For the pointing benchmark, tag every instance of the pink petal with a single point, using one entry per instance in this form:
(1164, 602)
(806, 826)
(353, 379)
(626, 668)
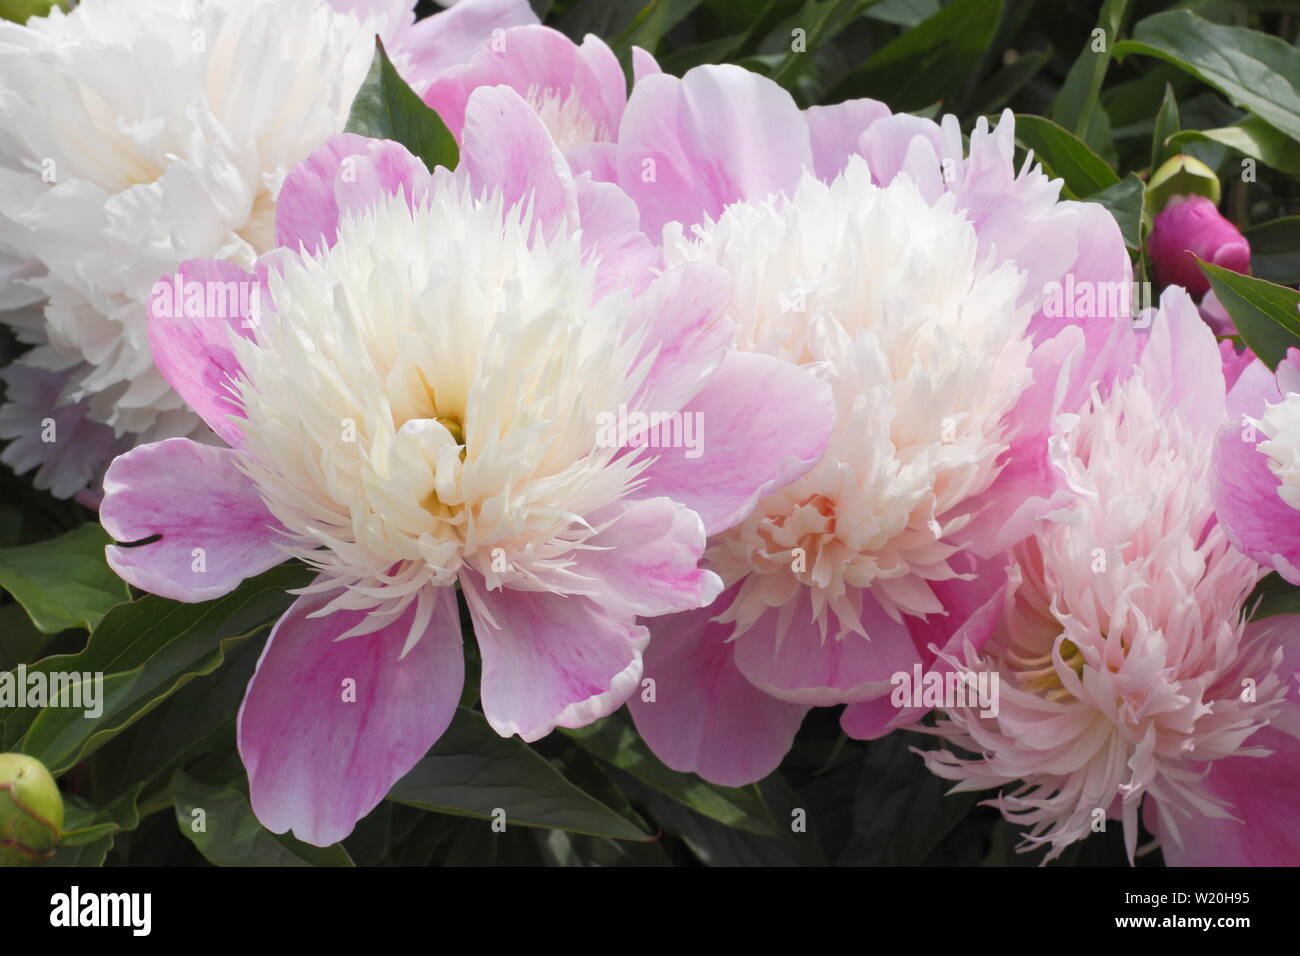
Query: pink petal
(536, 60)
(835, 130)
(686, 336)
(646, 560)
(191, 346)
(689, 146)
(765, 423)
(706, 718)
(599, 160)
(551, 660)
(886, 142)
(1265, 802)
(1254, 388)
(83, 447)
(195, 497)
(506, 147)
(973, 609)
(1181, 362)
(1244, 489)
(321, 188)
(327, 726)
(1029, 485)
(611, 233)
(643, 64)
(452, 37)
(801, 667)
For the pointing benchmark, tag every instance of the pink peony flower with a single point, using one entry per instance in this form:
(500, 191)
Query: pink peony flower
(422, 401)
(1125, 665)
(1192, 226)
(919, 282)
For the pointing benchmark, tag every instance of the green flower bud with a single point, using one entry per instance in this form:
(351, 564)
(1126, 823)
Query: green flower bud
(31, 811)
(1182, 175)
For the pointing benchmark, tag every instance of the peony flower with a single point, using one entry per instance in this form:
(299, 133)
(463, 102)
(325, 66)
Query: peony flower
(1192, 226)
(1125, 665)
(424, 403)
(916, 280)
(139, 135)
(578, 91)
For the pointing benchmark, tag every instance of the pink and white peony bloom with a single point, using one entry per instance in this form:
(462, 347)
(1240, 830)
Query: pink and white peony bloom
(1126, 668)
(1257, 466)
(915, 279)
(134, 136)
(423, 405)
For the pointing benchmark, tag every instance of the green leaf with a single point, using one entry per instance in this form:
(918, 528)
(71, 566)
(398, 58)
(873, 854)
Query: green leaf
(471, 771)
(616, 742)
(19, 638)
(147, 650)
(1167, 124)
(20, 11)
(386, 108)
(1275, 250)
(1009, 80)
(656, 18)
(904, 13)
(1274, 596)
(820, 20)
(1065, 155)
(89, 831)
(1078, 99)
(901, 811)
(1265, 314)
(63, 582)
(718, 845)
(1126, 202)
(197, 719)
(1251, 137)
(1255, 71)
(232, 836)
(928, 62)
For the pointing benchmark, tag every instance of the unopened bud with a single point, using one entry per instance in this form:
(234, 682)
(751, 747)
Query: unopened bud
(31, 811)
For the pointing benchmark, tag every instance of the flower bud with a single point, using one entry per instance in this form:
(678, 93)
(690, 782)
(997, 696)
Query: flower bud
(1181, 176)
(31, 811)
(1192, 226)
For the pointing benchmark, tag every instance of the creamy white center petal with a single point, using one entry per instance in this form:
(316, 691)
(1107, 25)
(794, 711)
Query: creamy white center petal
(427, 396)
(926, 351)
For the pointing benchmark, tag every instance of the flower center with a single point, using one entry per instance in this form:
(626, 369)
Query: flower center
(565, 117)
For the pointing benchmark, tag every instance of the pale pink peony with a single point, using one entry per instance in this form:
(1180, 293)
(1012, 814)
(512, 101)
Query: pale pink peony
(1126, 668)
(917, 280)
(418, 406)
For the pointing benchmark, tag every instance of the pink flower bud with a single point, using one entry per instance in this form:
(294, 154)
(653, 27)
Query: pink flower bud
(1193, 226)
